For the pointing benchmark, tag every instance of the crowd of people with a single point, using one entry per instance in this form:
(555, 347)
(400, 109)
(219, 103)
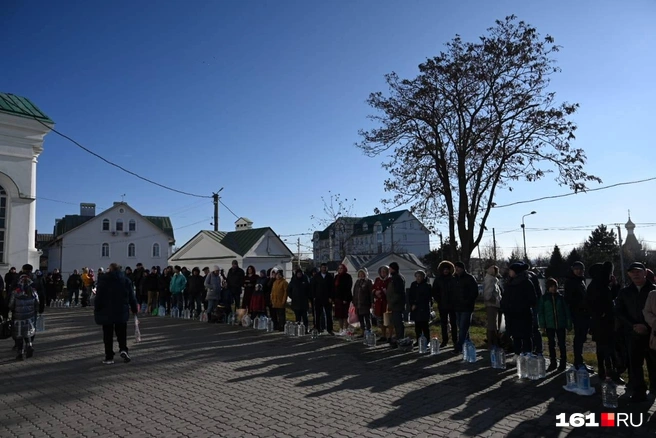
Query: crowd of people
(622, 321)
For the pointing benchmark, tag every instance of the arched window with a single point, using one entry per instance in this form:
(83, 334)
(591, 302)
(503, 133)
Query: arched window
(132, 225)
(119, 224)
(132, 250)
(105, 225)
(105, 250)
(155, 250)
(3, 223)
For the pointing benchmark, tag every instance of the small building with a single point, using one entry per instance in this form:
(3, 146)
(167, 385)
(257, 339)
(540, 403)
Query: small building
(23, 127)
(119, 234)
(408, 264)
(397, 231)
(260, 247)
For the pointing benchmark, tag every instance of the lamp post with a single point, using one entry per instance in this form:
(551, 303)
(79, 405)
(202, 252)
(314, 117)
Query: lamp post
(524, 234)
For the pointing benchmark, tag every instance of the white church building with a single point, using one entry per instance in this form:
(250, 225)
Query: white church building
(22, 130)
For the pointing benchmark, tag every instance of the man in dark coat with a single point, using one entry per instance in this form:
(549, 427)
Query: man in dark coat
(73, 285)
(322, 288)
(236, 276)
(517, 304)
(396, 298)
(575, 292)
(628, 308)
(465, 292)
(442, 294)
(114, 300)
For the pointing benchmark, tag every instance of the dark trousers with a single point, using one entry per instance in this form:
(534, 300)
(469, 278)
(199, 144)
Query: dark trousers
(464, 322)
(552, 334)
(639, 354)
(302, 316)
(365, 321)
(422, 327)
(177, 301)
(606, 358)
(121, 331)
(397, 323)
(523, 344)
(195, 304)
(319, 308)
(236, 295)
(448, 317)
(76, 293)
(537, 336)
(581, 328)
(278, 317)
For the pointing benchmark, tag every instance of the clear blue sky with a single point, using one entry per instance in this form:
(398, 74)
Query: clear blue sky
(265, 98)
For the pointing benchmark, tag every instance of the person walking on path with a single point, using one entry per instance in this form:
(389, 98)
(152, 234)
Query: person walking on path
(115, 299)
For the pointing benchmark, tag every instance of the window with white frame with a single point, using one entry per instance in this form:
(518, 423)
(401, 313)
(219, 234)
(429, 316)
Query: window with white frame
(105, 225)
(104, 252)
(132, 250)
(119, 224)
(132, 225)
(155, 250)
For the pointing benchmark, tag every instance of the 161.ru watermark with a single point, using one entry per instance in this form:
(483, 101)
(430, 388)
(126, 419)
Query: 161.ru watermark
(606, 419)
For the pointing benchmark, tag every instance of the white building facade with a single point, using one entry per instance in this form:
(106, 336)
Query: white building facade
(22, 130)
(117, 235)
(399, 232)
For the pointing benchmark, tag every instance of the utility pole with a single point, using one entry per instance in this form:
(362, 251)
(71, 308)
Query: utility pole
(441, 246)
(619, 235)
(494, 247)
(215, 199)
(298, 249)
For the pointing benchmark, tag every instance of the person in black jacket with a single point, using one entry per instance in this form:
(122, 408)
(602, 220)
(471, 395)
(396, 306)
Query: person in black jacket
(342, 297)
(73, 285)
(629, 310)
(150, 284)
(196, 286)
(443, 295)
(114, 299)
(299, 290)
(235, 281)
(465, 292)
(396, 302)
(323, 291)
(575, 292)
(537, 336)
(599, 302)
(517, 304)
(419, 299)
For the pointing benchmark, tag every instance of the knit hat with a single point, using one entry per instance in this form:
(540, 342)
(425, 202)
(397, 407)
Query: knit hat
(551, 282)
(518, 267)
(216, 268)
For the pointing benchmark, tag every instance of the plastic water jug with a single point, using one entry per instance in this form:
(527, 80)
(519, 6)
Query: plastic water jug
(314, 334)
(521, 365)
(533, 367)
(501, 358)
(434, 346)
(542, 367)
(423, 344)
(494, 361)
(465, 352)
(264, 322)
(40, 323)
(609, 394)
(269, 327)
(246, 320)
(582, 379)
(571, 377)
(161, 311)
(256, 323)
(369, 339)
(175, 312)
(300, 330)
(471, 357)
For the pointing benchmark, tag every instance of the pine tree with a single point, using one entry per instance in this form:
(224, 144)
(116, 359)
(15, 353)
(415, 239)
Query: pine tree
(574, 256)
(556, 268)
(601, 246)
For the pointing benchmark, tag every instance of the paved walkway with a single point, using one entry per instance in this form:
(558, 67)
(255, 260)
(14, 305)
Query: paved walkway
(200, 380)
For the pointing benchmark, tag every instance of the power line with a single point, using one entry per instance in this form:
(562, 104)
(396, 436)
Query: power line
(228, 208)
(182, 192)
(625, 183)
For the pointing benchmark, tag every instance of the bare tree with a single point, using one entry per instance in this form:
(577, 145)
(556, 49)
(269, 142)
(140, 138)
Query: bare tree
(337, 219)
(476, 119)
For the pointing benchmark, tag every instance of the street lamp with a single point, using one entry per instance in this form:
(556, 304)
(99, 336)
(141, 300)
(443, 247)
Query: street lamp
(524, 234)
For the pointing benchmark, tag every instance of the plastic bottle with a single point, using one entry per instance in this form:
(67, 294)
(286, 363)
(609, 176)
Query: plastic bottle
(571, 378)
(423, 344)
(300, 329)
(609, 394)
(582, 379)
(161, 311)
(269, 327)
(542, 367)
(521, 364)
(256, 323)
(40, 323)
(434, 346)
(465, 352)
(494, 361)
(532, 367)
(501, 358)
(314, 334)
(470, 351)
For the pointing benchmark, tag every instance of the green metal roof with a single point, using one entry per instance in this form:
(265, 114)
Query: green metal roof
(325, 234)
(21, 106)
(238, 241)
(163, 223)
(68, 222)
(385, 219)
